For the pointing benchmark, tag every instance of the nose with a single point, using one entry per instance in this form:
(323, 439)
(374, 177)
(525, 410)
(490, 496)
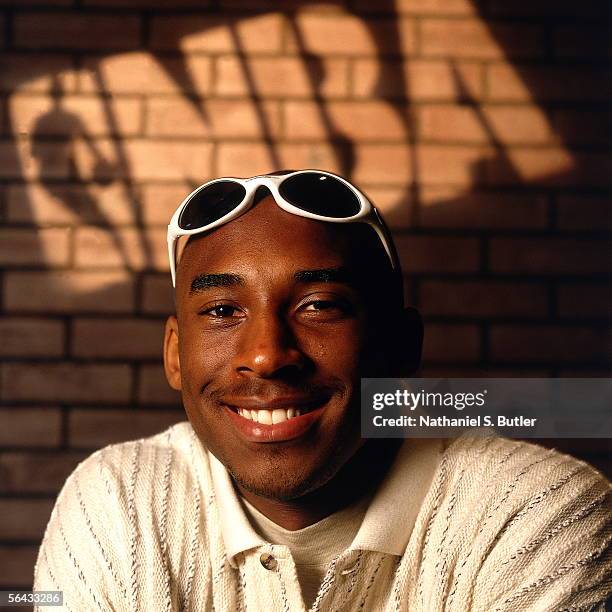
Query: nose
(268, 349)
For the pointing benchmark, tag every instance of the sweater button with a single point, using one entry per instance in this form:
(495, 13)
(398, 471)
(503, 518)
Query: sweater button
(268, 561)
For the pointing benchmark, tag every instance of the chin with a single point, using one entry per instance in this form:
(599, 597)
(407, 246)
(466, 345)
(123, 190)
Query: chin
(283, 483)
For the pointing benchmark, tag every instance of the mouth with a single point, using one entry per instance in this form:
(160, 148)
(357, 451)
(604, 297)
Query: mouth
(269, 416)
(277, 421)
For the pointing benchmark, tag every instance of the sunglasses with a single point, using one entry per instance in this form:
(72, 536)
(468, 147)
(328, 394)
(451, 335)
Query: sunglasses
(314, 194)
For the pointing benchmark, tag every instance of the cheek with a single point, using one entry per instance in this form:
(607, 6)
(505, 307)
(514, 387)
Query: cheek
(337, 350)
(203, 358)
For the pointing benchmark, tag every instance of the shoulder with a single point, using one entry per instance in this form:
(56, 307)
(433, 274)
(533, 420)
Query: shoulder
(519, 525)
(127, 509)
(496, 469)
(144, 461)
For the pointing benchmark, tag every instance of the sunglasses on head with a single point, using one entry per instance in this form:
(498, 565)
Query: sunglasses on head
(314, 194)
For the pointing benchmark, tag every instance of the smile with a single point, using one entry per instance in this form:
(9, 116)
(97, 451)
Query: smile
(270, 417)
(279, 421)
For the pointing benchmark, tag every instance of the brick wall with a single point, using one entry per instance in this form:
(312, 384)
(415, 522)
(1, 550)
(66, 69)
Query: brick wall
(482, 129)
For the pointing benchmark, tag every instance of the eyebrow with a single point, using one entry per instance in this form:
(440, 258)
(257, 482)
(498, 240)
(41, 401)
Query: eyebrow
(324, 275)
(203, 282)
(210, 281)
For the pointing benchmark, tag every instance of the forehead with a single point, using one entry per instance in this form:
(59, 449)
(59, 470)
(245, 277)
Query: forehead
(267, 240)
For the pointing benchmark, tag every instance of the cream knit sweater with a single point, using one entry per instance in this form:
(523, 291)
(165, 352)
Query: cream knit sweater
(503, 526)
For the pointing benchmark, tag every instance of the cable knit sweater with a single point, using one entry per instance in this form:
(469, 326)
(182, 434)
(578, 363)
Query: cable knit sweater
(500, 525)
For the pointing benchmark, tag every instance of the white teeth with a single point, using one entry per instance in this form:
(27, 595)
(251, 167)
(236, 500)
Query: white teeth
(269, 417)
(279, 415)
(264, 417)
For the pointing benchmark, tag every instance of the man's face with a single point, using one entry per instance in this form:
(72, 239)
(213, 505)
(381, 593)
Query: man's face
(269, 323)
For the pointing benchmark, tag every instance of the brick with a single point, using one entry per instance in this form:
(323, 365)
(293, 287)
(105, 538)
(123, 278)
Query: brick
(585, 300)
(131, 247)
(572, 42)
(453, 207)
(351, 36)
(70, 204)
(212, 34)
(451, 165)
(552, 344)
(67, 30)
(417, 80)
(284, 77)
(19, 73)
(238, 159)
(159, 201)
(96, 428)
(74, 116)
(20, 337)
(419, 7)
(21, 159)
(553, 256)
(451, 343)
(153, 388)
(24, 247)
(364, 121)
(67, 292)
(233, 5)
(150, 4)
(17, 563)
(145, 159)
(157, 295)
(549, 8)
(139, 72)
(36, 2)
(497, 371)
(500, 125)
(44, 472)
(30, 427)
(24, 519)
(427, 254)
(583, 127)
(70, 382)
(549, 166)
(248, 159)
(396, 205)
(211, 118)
(584, 213)
(120, 338)
(466, 38)
(548, 83)
(382, 164)
(476, 299)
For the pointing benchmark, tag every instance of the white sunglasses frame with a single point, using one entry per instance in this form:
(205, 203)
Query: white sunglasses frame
(367, 214)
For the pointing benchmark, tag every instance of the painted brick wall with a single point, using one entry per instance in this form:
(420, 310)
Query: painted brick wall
(482, 129)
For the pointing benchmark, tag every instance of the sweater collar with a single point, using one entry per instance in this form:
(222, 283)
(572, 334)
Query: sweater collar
(388, 521)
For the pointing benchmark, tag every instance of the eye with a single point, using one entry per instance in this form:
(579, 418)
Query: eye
(222, 311)
(321, 305)
(327, 309)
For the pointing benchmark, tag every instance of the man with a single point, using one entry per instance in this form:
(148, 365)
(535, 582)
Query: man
(287, 293)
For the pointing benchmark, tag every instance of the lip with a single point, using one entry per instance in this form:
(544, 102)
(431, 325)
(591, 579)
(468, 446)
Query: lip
(286, 401)
(290, 429)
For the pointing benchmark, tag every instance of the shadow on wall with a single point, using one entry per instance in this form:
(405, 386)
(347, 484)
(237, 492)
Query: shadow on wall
(496, 174)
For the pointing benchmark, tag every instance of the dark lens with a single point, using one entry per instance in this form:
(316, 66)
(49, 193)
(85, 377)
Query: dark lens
(210, 204)
(320, 194)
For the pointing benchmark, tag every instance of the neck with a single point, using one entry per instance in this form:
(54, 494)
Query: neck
(358, 478)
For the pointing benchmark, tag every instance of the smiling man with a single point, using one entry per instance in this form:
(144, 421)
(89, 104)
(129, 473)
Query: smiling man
(288, 291)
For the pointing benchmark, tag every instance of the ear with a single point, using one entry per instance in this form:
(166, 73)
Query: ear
(409, 343)
(172, 363)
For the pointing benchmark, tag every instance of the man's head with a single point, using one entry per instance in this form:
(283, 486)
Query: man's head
(275, 314)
